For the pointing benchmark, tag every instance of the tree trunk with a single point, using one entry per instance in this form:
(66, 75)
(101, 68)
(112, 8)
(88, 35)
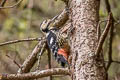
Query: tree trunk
(84, 15)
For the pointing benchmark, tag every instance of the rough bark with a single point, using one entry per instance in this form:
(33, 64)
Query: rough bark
(84, 15)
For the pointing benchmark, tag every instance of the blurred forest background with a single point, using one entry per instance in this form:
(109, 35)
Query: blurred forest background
(23, 22)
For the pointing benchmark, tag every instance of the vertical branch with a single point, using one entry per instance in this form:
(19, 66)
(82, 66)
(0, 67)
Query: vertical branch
(49, 61)
(40, 54)
(110, 46)
(103, 35)
(111, 34)
(98, 30)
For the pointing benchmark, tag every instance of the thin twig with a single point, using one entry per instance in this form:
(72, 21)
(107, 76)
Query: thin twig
(40, 54)
(98, 30)
(103, 36)
(108, 7)
(110, 46)
(6, 7)
(31, 59)
(49, 61)
(21, 40)
(14, 61)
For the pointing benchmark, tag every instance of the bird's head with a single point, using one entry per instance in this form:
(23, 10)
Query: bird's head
(44, 26)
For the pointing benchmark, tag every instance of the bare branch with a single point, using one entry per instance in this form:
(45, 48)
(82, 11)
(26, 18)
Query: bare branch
(35, 75)
(6, 7)
(22, 40)
(40, 54)
(49, 58)
(98, 30)
(49, 61)
(14, 61)
(108, 7)
(103, 36)
(30, 61)
(110, 46)
(61, 19)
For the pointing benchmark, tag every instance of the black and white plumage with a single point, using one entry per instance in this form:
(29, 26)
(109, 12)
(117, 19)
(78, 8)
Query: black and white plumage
(55, 41)
(52, 43)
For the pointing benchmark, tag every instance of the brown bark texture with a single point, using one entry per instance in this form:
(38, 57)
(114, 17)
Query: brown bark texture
(35, 75)
(84, 15)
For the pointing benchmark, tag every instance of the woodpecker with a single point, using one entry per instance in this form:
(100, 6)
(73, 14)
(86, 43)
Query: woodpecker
(56, 41)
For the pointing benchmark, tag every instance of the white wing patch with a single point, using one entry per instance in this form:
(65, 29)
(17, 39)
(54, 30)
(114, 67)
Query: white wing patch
(47, 34)
(51, 40)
